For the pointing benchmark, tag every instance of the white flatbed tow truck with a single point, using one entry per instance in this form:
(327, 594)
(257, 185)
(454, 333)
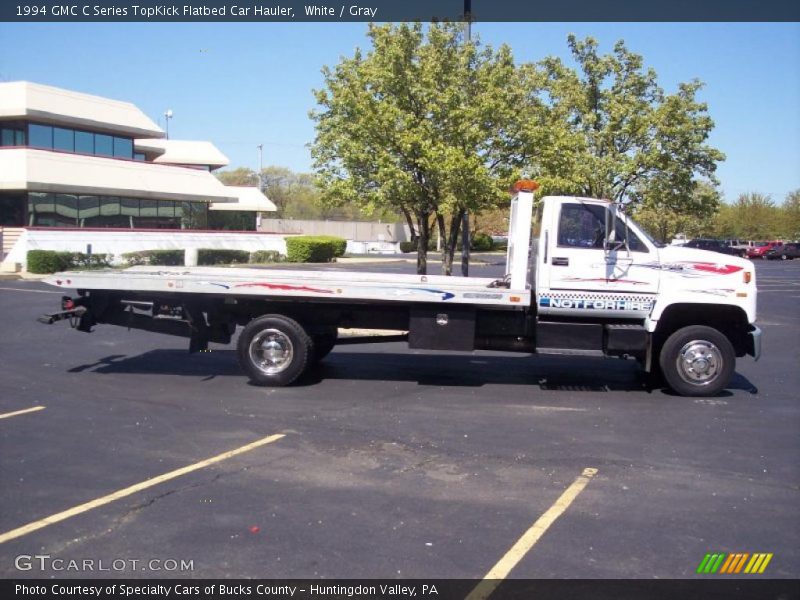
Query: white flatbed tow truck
(582, 279)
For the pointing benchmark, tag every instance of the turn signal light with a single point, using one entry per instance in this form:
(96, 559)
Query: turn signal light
(748, 276)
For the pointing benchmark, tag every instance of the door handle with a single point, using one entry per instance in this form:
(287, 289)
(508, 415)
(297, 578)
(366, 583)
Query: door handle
(560, 261)
(625, 260)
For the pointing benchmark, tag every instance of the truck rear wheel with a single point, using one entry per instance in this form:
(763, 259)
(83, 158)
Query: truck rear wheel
(274, 350)
(697, 361)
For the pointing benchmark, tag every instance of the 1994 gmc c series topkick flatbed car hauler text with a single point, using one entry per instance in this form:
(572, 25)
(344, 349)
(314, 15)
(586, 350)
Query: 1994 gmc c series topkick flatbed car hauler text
(589, 283)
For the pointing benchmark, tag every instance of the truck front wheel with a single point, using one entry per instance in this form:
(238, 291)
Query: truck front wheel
(274, 350)
(697, 361)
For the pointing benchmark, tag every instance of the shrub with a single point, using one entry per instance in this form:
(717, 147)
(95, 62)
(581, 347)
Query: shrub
(48, 261)
(214, 256)
(339, 244)
(266, 256)
(167, 258)
(481, 242)
(309, 248)
(408, 247)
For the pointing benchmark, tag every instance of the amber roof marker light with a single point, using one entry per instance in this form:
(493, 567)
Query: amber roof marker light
(524, 185)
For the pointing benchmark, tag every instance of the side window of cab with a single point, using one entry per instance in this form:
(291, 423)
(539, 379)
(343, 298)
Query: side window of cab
(584, 226)
(581, 226)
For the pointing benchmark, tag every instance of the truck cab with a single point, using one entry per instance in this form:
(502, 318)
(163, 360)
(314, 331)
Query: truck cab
(603, 285)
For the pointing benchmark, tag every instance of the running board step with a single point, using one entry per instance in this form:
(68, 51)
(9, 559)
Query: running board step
(570, 351)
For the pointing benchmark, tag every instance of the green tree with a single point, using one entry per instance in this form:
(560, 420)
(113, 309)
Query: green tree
(693, 216)
(790, 219)
(756, 217)
(724, 226)
(291, 192)
(423, 124)
(615, 133)
(238, 176)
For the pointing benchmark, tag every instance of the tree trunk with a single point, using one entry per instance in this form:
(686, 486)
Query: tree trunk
(450, 239)
(424, 230)
(410, 223)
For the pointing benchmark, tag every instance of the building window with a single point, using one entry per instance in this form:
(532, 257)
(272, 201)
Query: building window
(40, 136)
(66, 210)
(166, 208)
(111, 213)
(148, 209)
(138, 156)
(84, 142)
(130, 208)
(103, 145)
(192, 215)
(123, 147)
(41, 209)
(63, 139)
(88, 211)
(12, 135)
(12, 210)
(68, 140)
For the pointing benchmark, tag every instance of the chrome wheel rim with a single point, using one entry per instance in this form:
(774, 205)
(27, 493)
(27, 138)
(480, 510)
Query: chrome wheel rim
(699, 362)
(271, 351)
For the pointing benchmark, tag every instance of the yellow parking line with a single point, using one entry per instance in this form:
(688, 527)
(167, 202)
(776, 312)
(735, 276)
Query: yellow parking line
(24, 411)
(81, 508)
(517, 552)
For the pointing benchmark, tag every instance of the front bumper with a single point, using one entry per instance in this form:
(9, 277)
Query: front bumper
(754, 349)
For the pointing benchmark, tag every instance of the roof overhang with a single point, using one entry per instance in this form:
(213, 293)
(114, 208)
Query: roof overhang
(47, 104)
(249, 199)
(182, 152)
(46, 171)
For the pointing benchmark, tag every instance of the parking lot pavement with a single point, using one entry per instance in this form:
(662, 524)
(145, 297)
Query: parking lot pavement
(394, 463)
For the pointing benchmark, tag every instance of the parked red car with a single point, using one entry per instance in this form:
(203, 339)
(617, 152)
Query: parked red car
(761, 248)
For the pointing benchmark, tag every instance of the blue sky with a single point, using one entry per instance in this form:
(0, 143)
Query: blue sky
(244, 84)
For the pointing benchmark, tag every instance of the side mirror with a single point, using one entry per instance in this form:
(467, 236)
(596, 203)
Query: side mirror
(612, 244)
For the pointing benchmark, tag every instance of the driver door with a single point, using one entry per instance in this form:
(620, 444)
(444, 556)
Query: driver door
(582, 261)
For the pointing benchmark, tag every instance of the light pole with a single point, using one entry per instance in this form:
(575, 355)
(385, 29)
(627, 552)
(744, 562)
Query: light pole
(465, 218)
(260, 167)
(167, 117)
(260, 180)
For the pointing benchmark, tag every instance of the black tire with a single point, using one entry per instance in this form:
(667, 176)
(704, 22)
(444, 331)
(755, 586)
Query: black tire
(707, 365)
(324, 343)
(274, 350)
(784, 257)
